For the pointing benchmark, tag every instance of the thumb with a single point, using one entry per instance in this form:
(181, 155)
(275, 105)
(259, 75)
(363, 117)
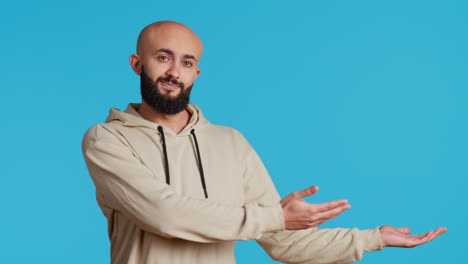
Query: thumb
(299, 194)
(404, 230)
(306, 192)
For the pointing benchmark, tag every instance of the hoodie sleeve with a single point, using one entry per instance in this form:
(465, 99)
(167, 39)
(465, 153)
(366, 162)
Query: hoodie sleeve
(314, 245)
(124, 184)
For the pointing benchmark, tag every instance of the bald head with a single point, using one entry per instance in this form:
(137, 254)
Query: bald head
(168, 31)
(167, 59)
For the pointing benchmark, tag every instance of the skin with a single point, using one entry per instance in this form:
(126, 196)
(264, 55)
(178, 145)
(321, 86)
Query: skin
(168, 48)
(400, 237)
(300, 214)
(304, 215)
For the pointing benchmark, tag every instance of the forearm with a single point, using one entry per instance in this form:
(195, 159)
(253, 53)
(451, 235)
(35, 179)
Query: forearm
(198, 220)
(338, 245)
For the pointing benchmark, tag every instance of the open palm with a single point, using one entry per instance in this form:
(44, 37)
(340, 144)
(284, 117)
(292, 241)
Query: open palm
(400, 237)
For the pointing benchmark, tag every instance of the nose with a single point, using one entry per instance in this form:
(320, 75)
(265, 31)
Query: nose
(173, 71)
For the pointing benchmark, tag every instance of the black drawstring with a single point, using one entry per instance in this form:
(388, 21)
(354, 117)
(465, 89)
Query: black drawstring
(166, 161)
(200, 166)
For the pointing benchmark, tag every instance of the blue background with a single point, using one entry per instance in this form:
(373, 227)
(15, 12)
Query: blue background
(367, 99)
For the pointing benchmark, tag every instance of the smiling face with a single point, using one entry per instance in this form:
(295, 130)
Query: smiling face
(167, 61)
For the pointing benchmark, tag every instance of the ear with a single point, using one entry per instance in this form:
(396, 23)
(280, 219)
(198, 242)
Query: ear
(197, 73)
(135, 63)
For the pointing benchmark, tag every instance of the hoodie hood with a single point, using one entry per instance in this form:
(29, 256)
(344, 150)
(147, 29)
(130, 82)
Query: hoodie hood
(131, 118)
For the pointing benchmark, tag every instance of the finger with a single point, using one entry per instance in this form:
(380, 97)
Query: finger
(299, 194)
(423, 239)
(327, 215)
(439, 231)
(316, 223)
(442, 230)
(306, 192)
(323, 220)
(426, 238)
(288, 198)
(430, 235)
(417, 240)
(404, 230)
(323, 207)
(417, 236)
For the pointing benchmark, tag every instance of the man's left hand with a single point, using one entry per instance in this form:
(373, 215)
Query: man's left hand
(400, 237)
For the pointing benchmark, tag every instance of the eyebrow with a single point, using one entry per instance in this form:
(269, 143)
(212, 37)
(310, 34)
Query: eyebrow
(170, 52)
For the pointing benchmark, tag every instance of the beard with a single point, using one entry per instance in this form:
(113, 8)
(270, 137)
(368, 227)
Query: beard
(164, 103)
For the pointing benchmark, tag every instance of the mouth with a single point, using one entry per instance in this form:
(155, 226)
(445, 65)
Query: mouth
(169, 86)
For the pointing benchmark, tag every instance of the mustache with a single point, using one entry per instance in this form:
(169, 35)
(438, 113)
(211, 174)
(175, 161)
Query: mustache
(171, 80)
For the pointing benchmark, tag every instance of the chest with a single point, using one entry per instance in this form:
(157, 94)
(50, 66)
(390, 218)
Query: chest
(222, 167)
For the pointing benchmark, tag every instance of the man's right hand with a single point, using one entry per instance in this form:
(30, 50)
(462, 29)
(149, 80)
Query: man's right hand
(299, 214)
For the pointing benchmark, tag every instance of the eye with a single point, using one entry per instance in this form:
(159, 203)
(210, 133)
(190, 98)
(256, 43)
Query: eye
(187, 63)
(163, 58)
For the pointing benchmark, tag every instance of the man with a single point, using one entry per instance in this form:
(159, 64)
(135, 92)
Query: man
(177, 189)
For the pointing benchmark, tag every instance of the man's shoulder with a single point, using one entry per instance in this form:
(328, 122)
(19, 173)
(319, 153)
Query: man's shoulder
(95, 132)
(102, 131)
(221, 130)
(226, 136)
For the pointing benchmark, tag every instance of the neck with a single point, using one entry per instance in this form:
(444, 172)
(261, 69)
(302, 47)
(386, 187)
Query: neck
(176, 122)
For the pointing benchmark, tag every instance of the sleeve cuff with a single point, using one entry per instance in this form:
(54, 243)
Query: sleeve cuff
(371, 240)
(273, 219)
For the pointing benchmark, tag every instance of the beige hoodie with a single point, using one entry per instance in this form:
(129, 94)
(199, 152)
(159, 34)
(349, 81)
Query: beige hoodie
(150, 221)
